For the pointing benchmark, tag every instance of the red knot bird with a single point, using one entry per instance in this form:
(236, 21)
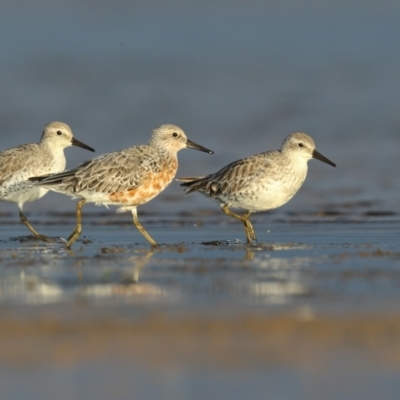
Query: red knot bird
(33, 159)
(127, 178)
(261, 182)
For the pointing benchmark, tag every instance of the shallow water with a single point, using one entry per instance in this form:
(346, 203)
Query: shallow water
(314, 303)
(207, 262)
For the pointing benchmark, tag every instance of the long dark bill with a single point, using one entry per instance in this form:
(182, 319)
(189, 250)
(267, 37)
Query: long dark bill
(320, 157)
(195, 146)
(76, 142)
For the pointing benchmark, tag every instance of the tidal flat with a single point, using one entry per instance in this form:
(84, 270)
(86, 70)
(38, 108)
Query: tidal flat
(311, 308)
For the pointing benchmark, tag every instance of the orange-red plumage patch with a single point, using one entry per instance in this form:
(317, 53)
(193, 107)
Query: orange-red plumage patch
(151, 186)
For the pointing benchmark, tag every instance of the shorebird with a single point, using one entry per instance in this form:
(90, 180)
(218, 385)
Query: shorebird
(261, 182)
(127, 178)
(33, 159)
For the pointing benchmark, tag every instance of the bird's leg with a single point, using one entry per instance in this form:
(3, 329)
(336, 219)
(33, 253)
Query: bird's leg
(248, 227)
(25, 221)
(141, 229)
(78, 228)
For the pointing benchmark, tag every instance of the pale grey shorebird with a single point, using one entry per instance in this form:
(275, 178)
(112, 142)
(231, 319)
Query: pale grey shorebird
(261, 182)
(20, 163)
(127, 178)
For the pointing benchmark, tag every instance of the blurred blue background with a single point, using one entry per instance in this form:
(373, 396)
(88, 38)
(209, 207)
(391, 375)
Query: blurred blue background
(238, 77)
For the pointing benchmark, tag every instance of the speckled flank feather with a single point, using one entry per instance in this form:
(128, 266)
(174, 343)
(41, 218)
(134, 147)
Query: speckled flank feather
(125, 178)
(261, 182)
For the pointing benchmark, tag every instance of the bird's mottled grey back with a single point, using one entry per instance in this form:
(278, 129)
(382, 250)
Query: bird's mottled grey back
(109, 173)
(17, 159)
(234, 176)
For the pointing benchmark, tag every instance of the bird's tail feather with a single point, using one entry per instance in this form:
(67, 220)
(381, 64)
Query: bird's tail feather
(191, 184)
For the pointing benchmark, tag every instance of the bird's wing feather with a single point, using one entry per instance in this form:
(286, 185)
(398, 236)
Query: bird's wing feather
(17, 160)
(109, 173)
(232, 178)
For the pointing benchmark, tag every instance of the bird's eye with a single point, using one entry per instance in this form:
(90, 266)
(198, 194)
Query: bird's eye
(59, 133)
(301, 145)
(175, 134)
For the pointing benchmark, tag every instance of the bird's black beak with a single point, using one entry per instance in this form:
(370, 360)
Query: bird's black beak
(320, 157)
(195, 146)
(76, 142)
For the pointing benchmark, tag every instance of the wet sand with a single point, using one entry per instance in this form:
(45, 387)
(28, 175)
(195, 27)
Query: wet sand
(158, 340)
